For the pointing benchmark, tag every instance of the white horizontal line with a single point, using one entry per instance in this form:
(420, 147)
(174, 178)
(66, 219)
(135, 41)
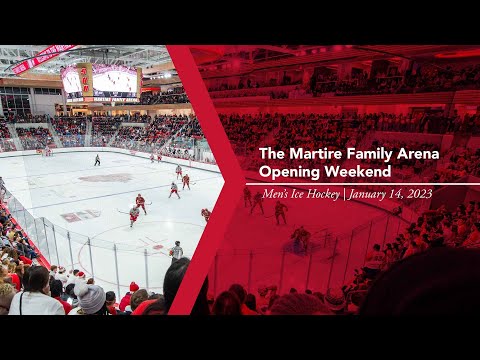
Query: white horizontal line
(365, 184)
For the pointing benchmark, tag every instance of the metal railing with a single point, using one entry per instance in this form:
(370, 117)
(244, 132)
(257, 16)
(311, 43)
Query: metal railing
(112, 265)
(330, 259)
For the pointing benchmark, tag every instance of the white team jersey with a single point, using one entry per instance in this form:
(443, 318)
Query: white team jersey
(179, 169)
(177, 252)
(134, 212)
(174, 187)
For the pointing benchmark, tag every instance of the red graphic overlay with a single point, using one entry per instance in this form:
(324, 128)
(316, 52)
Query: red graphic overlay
(234, 180)
(391, 171)
(46, 56)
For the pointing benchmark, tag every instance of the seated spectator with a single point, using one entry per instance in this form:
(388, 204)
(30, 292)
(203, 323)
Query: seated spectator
(34, 299)
(241, 293)
(436, 282)
(299, 304)
(335, 300)
(56, 291)
(91, 300)
(110, 300)
(7, 292)
(227, 303)
(251, 302)
(137, 298)
(126, 299)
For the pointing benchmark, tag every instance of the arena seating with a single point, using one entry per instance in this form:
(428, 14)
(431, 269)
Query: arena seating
(70, 130)
(35, 138)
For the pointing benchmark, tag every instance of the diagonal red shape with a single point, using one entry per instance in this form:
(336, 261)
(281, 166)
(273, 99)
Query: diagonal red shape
(229, 167)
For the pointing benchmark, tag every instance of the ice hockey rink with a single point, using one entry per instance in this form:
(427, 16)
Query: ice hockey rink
(342, 233)
(90, 201)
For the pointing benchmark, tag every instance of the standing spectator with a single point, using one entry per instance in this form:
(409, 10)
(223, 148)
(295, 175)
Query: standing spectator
(35, 299)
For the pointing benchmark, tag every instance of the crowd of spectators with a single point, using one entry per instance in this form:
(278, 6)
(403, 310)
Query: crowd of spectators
(6, 143)
(29, 288)
(103, 128)
(70, 130)
(27, 118)
(35, 138)
(459, 163)
(420, 78)
(176, 95)
(151, 137)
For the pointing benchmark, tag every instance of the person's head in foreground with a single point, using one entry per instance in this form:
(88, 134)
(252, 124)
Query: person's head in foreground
(227, 303)
(299, 304)
(91, 298)
(441, 281)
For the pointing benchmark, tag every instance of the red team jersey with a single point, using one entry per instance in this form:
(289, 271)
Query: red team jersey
(134, 214)
(140, 200)
(186, 179)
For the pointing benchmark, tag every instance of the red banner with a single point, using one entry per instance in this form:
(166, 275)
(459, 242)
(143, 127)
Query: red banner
(42, 57)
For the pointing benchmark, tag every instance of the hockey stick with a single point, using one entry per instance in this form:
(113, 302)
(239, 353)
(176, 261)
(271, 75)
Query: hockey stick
(122, 212)
(149, 203)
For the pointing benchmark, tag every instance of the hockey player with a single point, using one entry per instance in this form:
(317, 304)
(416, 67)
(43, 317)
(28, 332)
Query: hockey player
(134, 212)
(247, 195)
(206, 214)
(257, 199)
(97, 160)
(174, 189)
(152, 158)
(159, 157)
(186, 181)
(140, 201)
(301, 235)
(178, 170)
(177, 252)
(279, 207)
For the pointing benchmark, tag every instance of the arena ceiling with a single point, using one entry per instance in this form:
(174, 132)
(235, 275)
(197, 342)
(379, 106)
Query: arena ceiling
(144, 56)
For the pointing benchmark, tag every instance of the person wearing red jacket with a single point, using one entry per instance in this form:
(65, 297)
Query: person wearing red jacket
(126, 299)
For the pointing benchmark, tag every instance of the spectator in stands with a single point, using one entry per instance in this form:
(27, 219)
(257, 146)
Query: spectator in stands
(91, 300)
(35, 299)
(12, 274)
(72, 277)
(473, 239)
(72, 298)
(444, 286)
(227, 303)
(335, 300)
(56, 289)
(62, 276)
(299, 304)
(126, 299)
(251, 302)
(151, 307)
(241, 293)
(110, 300)
(7, 292)
(137, 298)
(173, 279)
(374, 262)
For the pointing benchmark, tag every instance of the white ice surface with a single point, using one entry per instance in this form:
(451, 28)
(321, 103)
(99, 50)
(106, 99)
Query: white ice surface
(51, 186)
